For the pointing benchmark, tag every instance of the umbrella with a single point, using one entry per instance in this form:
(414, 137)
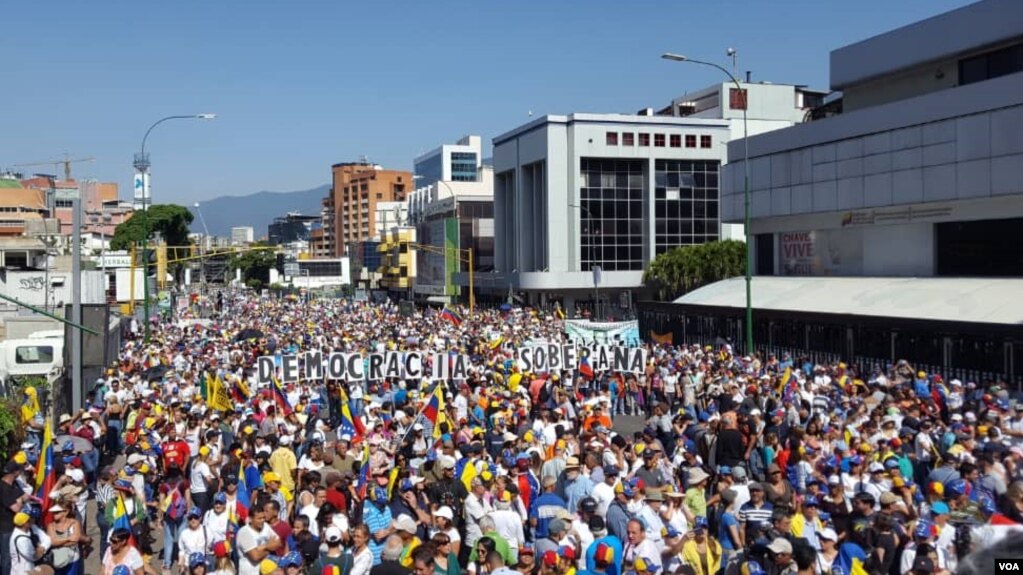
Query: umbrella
(81, 444)
(248, 334)
(155, 373)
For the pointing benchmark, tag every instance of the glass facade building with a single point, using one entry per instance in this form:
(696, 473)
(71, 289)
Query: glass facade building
(612, 218)
(685, 203)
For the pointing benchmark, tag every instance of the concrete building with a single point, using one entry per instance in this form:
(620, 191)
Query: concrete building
(574, 193)
(894, 219)
(351, 206)
(20, 204)
(242, 235)
(452, 209)
(922, 172)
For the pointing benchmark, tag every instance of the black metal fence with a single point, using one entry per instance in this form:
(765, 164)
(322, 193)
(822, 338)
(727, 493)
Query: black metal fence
(957, 350)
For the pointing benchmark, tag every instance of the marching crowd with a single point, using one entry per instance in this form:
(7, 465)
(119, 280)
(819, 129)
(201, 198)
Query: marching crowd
(739, 465)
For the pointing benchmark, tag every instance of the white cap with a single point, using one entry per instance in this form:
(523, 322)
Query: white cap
(405, 523)
(77, 475)
(285, 440)
(135, 458)
(828, 533)
(417, 427)
(332, 535)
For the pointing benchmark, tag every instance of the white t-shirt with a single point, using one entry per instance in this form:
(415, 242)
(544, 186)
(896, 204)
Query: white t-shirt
(22, 552)
(604, 494)
(199, 475)
(308, 464)
(249, 539)
(216, 524)
(193, 541)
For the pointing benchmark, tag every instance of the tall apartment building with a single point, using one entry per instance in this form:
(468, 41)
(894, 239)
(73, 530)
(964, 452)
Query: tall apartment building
(241, 235)
(352, 204)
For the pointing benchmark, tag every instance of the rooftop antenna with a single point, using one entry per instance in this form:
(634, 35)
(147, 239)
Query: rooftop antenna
(731, 53)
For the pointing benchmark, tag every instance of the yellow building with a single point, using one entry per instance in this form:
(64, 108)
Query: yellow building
(397, 262)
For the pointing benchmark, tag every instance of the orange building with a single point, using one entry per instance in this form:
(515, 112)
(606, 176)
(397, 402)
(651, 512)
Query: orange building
(19, 204)
(357, 187)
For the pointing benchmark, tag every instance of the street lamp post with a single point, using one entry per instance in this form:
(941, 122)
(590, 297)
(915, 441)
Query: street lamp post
(202, 260)
(596, 287)
(746, 200)
(142, 165)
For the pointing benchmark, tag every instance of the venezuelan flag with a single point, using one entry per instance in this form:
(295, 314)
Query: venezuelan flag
(121, 519)
(351, 425)
(450, 315)
(435, 407)
(362, 484)
(851, 558)
(465, 470)
(46, 473)
(280, 398)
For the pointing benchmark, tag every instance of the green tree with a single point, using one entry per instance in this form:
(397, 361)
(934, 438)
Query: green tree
(255, 265)
(685, 268)
(170, 220)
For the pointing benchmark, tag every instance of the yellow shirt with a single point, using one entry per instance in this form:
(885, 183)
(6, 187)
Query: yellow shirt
(283, 461)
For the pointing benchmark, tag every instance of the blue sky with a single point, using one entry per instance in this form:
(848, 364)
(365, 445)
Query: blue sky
(299, 85)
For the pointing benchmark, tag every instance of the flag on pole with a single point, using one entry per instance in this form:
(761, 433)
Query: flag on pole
(218, 398)
(121, 518)
(363, 482)
(46, 473)
(559, 313)
(350, 425)
(585, 369)
(452, 316)
(280, 398)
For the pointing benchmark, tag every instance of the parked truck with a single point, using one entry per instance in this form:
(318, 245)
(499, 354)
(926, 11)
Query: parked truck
(40, 355)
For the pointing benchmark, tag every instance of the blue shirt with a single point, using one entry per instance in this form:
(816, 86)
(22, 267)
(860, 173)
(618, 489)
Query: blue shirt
(724, 531)
(615, 568)
(376, 519)
(545, 509)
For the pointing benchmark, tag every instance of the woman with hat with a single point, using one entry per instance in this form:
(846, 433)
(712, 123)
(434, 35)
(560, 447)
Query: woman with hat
(443, 520)
(696, 494)
(65, 534)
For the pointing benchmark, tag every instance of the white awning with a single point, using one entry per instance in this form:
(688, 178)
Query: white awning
(979, 300)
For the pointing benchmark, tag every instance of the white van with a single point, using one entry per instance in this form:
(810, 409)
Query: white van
(36, 356)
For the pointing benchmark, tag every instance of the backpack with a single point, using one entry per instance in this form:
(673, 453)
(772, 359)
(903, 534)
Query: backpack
(178, 506)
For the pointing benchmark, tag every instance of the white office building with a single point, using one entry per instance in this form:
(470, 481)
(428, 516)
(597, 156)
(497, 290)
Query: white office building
(577, 192)
(921, 174)
(242, 235)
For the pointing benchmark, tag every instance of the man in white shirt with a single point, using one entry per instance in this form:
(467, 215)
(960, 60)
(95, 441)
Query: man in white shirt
(255, 542)
(476, 508)
(637, 545)
(216, 519)
(604, 492)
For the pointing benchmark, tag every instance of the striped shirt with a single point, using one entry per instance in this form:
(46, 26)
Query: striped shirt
(104, 494)
(376, 519)
(751, 515)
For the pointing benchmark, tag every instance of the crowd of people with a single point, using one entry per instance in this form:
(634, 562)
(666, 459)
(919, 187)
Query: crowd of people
(738, 465)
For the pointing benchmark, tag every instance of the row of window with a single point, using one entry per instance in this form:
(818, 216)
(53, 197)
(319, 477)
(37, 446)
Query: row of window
(674, 140)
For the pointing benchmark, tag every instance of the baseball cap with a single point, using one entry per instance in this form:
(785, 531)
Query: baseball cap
(780, 545)
(332, 535)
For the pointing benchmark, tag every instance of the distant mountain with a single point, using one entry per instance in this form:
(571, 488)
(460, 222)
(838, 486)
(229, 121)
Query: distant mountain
(256, 210)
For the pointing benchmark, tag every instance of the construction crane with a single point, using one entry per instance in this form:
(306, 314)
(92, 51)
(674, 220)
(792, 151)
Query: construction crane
(67, 161)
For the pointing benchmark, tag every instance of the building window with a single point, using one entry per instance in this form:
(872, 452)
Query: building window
(658, 140)
(737, 99)
(675, 140)
(690, 141)
(1001, 62)
(612, 138)
(705, 141)
(628, 139)
(611, 218)
(685, 203)
(463, 167)
(644, 140)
